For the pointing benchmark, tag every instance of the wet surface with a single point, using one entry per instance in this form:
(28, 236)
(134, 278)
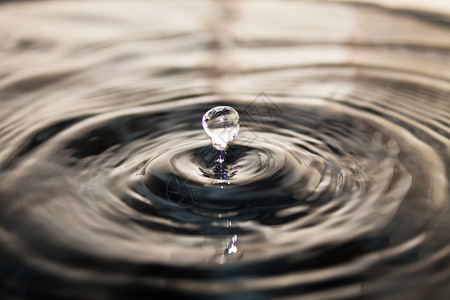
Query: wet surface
(336, 186)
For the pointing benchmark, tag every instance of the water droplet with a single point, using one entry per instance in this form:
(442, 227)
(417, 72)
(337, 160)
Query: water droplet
(221, 123)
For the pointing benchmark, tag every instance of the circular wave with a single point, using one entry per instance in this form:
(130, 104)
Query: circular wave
(336, 187)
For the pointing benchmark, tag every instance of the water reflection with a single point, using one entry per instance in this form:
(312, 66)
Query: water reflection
(336, 187)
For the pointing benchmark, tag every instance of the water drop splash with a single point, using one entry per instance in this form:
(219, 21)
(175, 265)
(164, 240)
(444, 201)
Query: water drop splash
(221, 123)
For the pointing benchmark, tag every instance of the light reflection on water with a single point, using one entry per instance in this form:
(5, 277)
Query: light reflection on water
(336, 187)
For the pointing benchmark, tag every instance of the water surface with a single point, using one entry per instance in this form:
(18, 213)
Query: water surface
(336, 187)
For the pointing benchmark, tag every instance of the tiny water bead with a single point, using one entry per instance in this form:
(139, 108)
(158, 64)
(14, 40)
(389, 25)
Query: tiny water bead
(221, 123)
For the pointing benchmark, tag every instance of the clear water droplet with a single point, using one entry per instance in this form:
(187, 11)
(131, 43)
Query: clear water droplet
(221, 123)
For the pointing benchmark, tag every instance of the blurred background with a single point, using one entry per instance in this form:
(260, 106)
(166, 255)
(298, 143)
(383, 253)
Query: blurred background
(337, 186)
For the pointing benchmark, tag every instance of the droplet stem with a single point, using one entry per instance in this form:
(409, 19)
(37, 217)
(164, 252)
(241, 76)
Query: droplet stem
(220, 167)
(220, 157)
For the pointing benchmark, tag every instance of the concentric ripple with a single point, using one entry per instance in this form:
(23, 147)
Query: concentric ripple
(336, 187)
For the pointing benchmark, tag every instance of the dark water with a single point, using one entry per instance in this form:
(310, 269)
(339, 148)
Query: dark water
(336, 187)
